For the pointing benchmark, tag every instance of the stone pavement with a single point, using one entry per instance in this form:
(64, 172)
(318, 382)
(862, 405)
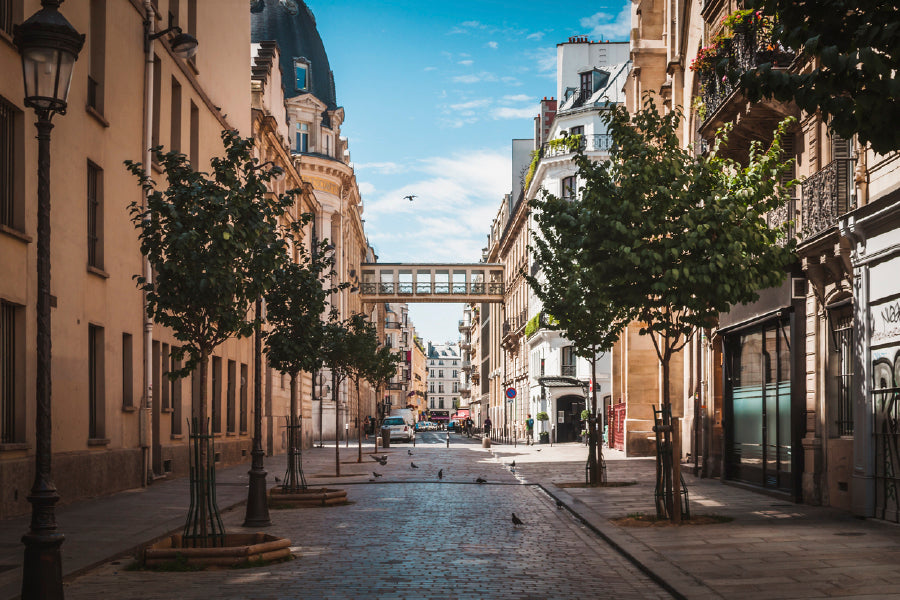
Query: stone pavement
(771, 549)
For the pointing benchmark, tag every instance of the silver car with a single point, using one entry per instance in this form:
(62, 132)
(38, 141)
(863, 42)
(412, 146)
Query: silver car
(400, 429)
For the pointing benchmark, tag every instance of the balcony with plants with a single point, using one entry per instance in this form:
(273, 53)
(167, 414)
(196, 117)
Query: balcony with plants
(743, 42)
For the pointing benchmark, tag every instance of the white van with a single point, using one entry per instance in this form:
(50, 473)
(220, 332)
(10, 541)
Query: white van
(408, 414)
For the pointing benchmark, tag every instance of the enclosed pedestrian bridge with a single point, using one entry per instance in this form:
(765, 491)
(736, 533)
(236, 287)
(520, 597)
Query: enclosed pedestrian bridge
(448, 282)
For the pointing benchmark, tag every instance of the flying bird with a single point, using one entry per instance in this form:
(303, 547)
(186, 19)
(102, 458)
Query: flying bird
(441, 474)
(377, 474)
(516, 520)
(480, 480)
(413, 465)
(410, 197)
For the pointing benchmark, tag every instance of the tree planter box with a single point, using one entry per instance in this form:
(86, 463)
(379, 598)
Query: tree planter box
(308, 497)
(239, 549)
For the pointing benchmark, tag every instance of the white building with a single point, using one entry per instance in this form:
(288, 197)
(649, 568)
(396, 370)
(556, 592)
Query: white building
(590, 79)
(444, 365)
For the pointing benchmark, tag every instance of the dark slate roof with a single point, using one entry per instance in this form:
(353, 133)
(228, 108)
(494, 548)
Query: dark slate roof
(293, 26)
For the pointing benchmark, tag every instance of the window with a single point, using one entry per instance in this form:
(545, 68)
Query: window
(177, 418)
(164, 389)
(194, 155)
(95, 383)
(843, 347)
(455, 386)
(441, 387)
(12, 390)
(230, 397)
(455, 373)
(243, 397)
(432, 404)
(440, 373)
(127, 371)
(95, 215)
(431, 387)
(175, 118)
(441, 403)
(96, 65)
(10, 12)
(12, 208)
(302, 144)
(568, 188)
(567, 361)
(216, 395)
(301, 74)
(157, 94)
(587, 84)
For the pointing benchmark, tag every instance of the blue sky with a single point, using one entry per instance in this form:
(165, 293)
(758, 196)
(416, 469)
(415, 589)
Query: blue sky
(433, 94)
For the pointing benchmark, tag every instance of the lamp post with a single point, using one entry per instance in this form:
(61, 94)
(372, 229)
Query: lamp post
(257, 514)
(49, 46)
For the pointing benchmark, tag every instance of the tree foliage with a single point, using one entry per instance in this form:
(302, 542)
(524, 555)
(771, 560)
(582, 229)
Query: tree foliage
(675, 239)
(213, 242)
(854, 46)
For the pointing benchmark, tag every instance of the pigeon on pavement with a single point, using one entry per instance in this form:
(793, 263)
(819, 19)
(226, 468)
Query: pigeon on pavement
(539, 449)
(413, 465)
(409, 452)
(559, 504)
(276, 479)
(441, 474)
(377, 474)
(516, 520)
(480, 480)
(512, 464)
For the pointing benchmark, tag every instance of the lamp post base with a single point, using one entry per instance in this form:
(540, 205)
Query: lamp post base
(257, 501)
(42, 570)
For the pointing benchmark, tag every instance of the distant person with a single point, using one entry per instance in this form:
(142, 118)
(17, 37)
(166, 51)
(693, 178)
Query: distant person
(529, 429)
(487, 427)
(367, 424)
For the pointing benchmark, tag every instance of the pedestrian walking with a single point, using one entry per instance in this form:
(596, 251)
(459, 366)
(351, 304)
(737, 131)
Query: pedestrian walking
(487, 427)
(529, 429)
(366, 425)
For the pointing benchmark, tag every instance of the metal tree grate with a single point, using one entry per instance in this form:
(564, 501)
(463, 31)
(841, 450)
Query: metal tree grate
(203, 528)
(294, 479)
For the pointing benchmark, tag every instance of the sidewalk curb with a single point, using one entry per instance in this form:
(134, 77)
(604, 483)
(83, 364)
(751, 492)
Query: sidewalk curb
(670, 577)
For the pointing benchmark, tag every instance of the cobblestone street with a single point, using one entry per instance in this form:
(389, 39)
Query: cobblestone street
(409, 538)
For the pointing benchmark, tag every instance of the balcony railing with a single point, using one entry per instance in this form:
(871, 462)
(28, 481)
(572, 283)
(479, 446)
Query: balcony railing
(598, 142)
(392, 325)
(396, 386)
(567, 370)
(746, 51)
(826, 196)
(784, 214)
(388, 288)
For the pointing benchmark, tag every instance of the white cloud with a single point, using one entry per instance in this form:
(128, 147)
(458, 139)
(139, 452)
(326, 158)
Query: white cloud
(544, 59)
(506, 112)
(366, 188)
(537, 36)
(493, 45)
(380, 167)
(605, 26)
(518, 98)
(509, 80)
(430, 69)
(471, 104)
(475, 78)
(468, 62)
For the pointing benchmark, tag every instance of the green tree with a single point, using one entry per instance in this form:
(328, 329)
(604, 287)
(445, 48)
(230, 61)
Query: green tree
(360, 361)
(675, 240)
(295, 304)
(569, 290)
(853, 45)
(215, 246)
(382, 369)
(337, 356)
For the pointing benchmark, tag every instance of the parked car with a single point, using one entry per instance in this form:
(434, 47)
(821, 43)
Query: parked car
(400, 429)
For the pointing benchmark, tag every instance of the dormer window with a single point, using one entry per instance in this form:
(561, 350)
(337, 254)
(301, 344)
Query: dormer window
(302, 138)
(301, 74)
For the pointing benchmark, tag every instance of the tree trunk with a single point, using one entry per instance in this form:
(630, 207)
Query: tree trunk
(670, 485)
(337, 422)
(596, 438)
(358, 421)
(203, 429)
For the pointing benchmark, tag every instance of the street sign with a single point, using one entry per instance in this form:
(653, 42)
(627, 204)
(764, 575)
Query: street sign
(511, 393)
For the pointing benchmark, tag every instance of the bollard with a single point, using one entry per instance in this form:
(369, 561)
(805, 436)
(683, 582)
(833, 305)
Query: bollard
(448, 439)
(485, 442)
(385, 437)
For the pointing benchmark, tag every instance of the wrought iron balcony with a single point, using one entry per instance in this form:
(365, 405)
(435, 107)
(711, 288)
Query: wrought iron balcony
(397, 386)
(826, 196)
(598, 142)
(745, 51)
(567, 370)
(392, 325)
(785, 214)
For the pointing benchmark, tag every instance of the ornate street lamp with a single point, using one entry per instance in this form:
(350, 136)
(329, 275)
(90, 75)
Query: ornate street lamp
(49, 46)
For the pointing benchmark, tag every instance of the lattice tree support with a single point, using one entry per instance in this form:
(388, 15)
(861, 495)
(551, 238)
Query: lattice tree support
(203, 528)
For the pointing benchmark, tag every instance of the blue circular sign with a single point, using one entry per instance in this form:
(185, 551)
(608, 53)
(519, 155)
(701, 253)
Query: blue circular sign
(511, 392)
